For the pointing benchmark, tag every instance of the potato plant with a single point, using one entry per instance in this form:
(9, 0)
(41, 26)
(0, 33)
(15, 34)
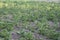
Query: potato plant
(29, 17)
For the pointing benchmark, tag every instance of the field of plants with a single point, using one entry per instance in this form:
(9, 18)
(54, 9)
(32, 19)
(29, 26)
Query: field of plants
(29, 20)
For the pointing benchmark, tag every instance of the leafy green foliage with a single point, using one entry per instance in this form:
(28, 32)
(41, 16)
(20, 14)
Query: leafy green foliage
(26, 35)
(13, 13)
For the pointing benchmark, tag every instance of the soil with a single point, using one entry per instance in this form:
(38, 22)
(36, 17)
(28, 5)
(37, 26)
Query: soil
(15, 36)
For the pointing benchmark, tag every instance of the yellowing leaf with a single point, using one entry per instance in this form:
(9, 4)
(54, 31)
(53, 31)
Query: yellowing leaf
(1, 4)
(6, 5)
(48, 8)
